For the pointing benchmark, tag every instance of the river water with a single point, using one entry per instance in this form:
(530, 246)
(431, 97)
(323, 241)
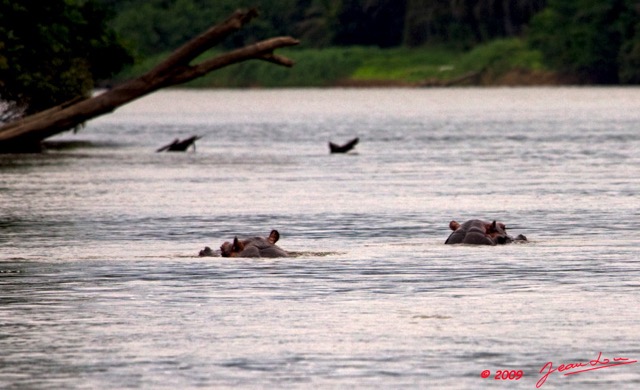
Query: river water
(101, 286)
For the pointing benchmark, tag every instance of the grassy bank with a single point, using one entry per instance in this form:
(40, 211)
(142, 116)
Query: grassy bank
(507, 61)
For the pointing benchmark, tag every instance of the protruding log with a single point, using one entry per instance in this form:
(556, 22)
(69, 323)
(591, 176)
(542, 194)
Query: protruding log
(343, 148)
(180, 146)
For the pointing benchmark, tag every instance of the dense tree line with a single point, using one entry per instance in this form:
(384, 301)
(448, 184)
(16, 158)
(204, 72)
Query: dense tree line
(594, 40)
(467, 22)
(157, 25)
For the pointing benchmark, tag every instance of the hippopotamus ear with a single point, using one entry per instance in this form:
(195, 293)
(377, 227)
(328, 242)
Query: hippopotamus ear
(491, 227)
(274, 236)
(453, 225)
(237, 245)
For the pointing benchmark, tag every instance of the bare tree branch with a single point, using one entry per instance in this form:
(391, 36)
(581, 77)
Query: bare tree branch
(258, 50)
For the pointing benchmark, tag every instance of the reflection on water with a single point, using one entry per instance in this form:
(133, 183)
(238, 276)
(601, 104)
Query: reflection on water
(101, 286)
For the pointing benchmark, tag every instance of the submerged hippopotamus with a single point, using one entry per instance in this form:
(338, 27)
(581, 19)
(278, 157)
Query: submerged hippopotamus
(477, 232)
(206, 252)
(254, 247)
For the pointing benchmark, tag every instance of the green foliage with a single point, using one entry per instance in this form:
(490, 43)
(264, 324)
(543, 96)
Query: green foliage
(314, 67)
(440, 63)
(502, 55)
(466, 23)
(158, 26)
(592, 39)
(367, 65)
(407, 65)
(53, 51)
(629, 60)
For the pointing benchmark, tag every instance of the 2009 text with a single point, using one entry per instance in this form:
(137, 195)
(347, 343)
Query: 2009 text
(512, 375)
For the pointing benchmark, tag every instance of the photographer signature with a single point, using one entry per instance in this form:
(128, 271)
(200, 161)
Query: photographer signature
(578, 367)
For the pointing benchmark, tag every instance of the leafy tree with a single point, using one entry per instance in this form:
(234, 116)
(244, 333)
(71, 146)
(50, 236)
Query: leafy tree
(595, 40)
(155, 26)
(315, 21)
(370, 22)
(433, 22)
(53, 51)
(465, 23)
(629, 59)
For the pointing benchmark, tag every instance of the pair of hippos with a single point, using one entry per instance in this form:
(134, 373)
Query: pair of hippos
(472, 232)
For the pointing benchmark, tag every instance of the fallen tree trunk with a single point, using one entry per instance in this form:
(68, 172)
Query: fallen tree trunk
(26, 134)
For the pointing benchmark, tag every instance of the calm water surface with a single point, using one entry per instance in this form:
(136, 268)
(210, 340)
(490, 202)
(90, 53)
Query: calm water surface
(101, 286)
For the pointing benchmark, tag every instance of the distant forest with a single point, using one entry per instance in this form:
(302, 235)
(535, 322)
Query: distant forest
(597, 41)
(159, 25)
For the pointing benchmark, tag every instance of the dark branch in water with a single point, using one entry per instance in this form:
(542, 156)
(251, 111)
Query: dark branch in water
(343, 148)
(180, 146)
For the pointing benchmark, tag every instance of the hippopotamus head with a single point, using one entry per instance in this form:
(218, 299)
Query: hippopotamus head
(254, 247)
(477, 232)
(206, 252)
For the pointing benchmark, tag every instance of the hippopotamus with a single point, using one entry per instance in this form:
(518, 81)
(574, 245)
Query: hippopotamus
(477, 232)
(206, 252)
(254, 247)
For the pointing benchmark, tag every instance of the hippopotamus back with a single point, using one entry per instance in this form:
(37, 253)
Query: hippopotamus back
(478, 232)
(254, 247)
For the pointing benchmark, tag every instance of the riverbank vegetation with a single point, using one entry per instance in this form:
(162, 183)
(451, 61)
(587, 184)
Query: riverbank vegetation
(505, 61)
(407, 42)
